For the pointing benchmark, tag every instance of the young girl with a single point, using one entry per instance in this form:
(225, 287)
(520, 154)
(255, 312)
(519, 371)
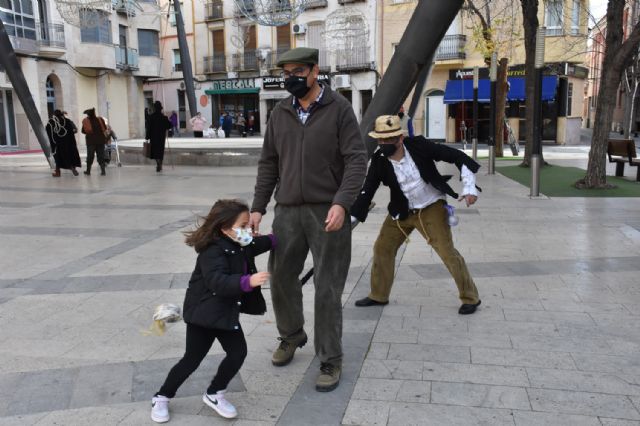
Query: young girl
(223, 284)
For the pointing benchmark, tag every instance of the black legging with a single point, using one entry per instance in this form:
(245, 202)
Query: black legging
(199, 341)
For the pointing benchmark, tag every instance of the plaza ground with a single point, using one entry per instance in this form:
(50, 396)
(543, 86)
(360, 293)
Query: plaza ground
(85, 260)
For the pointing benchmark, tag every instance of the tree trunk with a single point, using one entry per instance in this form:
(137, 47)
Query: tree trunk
(530, 23)
(501, 99)
(617, 56)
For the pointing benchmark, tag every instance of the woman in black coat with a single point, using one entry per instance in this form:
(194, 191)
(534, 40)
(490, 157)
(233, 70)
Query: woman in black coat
(157, 126)
(61, 132)
(224, 284)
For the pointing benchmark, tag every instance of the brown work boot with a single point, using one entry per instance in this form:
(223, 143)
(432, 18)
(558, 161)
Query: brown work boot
(329, 377)
(287, 348)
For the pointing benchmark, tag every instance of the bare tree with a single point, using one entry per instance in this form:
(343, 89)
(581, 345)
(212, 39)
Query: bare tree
(617, 56)
(530, 24)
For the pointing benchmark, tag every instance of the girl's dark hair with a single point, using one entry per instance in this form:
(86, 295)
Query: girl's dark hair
(223, 214)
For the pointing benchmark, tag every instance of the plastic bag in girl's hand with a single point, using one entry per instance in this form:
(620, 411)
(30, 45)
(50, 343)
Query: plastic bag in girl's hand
(167, 312)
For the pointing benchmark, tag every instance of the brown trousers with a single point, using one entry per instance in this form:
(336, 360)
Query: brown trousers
(431, 222)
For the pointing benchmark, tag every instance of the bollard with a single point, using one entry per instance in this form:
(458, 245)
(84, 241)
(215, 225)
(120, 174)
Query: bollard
(535, 175)
(474, 149)
(492, 160)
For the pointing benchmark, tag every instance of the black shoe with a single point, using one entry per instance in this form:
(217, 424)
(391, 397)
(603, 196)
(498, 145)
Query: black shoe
(102, 171)
(87, 172)
(467, 308)
(369, 302)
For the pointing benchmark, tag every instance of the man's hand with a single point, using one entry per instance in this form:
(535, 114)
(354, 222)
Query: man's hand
(254, 222)
(335, 218)
(469, 199)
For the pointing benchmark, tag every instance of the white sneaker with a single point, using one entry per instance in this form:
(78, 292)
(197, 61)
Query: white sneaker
(160, 409)
(220, 404)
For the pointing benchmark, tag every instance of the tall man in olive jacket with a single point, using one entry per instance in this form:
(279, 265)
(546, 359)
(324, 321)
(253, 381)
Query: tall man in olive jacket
(418, 199)
(315, 159)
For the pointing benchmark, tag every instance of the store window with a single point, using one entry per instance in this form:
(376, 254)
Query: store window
(7, 119)
(17, 17)
(101, 33)
(148, 44)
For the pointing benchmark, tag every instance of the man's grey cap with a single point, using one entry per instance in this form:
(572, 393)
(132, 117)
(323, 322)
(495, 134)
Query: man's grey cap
(299, 55)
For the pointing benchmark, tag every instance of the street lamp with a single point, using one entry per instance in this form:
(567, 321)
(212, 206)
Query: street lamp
(493, 71)
(536, 148)
(474, 141)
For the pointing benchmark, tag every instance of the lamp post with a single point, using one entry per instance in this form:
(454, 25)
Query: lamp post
(493, 71)
(536, 148)
(474, 141)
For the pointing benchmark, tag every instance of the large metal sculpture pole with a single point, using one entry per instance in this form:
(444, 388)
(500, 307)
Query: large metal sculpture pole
(13, 70)
(418, 45)
(185, 59)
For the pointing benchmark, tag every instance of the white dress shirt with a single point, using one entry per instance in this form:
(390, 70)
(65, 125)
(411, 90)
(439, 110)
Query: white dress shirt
(420, 193)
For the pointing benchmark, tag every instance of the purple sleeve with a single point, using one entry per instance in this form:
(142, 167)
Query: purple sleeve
(274, 240)
(245, 285)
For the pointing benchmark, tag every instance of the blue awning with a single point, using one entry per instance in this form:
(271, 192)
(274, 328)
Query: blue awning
(462, 90)
(517, 90)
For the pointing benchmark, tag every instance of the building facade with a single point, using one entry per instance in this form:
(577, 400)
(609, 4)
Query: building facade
(234, 59)
(72, 68)
(626, 112)
(446, 101)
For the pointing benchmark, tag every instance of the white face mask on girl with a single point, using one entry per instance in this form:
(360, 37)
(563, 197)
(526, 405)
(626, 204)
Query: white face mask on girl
(243, 236)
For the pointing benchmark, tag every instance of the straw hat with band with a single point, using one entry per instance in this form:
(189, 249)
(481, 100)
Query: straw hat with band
(387, 126)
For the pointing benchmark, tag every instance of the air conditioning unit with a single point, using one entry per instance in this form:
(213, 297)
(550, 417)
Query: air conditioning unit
(342, 81)
(182, 86)
(299, 28)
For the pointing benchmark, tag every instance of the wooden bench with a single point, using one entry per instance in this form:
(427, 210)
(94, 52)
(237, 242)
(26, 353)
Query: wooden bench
(621, 152)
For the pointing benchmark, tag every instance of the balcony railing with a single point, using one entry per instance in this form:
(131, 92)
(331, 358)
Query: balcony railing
(554, 32)
(323, 61)
(272, 57)
(315, 4)
(213, 11)
(214, 64)
(247, 6)
(51, 35)
(350, 1)
(354, 59)
(126, 58)
(246, 61)
(451, 47)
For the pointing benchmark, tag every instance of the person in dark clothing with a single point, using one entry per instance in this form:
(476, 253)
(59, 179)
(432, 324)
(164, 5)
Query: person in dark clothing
(227, 125)
(95, 130)
(224, 284)
(157, 134)
(61, 132)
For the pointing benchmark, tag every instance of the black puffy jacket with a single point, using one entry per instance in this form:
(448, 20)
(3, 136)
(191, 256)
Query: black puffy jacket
(214, 298)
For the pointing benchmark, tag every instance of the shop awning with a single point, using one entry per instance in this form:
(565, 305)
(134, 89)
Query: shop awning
(232, 91)
(462, 90)
(517, 89)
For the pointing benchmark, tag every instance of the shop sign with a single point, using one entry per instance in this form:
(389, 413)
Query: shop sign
(237, 84)
(278, 82)
(576, 71)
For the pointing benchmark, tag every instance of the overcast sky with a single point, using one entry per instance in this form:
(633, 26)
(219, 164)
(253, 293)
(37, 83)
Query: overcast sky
(598, 9)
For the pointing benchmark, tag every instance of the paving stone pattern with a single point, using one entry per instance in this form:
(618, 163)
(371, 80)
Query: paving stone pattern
(85, 260)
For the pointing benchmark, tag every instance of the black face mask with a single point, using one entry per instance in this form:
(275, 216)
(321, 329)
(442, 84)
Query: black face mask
(401, 114)
(297, 86)
(388, 149)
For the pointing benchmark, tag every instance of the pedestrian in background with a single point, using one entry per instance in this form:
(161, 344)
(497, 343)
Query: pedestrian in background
(227, 125)
(418, 201)
(224, 283)
(157, 134)
(314, 154)
(241, 125)
(95, 130)
(62, 138)
(198, 124)
(174, 124)
(251, 122)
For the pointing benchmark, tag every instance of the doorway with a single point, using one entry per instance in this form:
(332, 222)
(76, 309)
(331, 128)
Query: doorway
(435, 116)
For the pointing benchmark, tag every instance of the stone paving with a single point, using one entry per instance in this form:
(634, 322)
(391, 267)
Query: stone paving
(85, 260)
